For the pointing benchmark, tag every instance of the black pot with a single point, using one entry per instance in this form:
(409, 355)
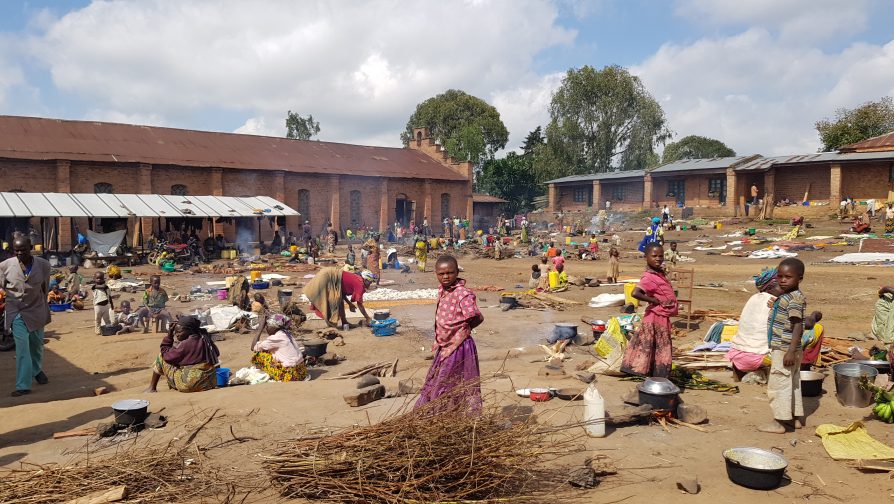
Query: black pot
(659, 402)
(756, 478)
(382, 315)
(812, 383)
(315, 348)
(130, 411)
(510, 300)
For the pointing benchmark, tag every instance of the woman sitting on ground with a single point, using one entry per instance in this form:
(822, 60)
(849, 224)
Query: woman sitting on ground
(278, 355)
(189, 365)
(750, 346)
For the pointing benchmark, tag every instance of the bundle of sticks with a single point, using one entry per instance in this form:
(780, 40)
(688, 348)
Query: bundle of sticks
(146, 474)
(424, 456)
(713, 315)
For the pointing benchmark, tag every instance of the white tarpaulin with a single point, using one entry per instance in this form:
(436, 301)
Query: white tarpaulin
(864, 257)
(105, 244)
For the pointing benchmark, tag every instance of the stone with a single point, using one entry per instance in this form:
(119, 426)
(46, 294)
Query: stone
(583, 477)
(691, 413)
(585, 376)
(689, 485)
(550, 370)
(408, 387)
(367, 381)
(583, 339)
(594, 283)
(631, 397)
(365, 396)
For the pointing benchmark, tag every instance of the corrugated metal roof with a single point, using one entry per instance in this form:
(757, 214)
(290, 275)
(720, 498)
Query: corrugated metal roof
(599, 176)
(49, 139)
(486, 198)
(137, 205)
(763, 164)
(876, 143)
(717, 163)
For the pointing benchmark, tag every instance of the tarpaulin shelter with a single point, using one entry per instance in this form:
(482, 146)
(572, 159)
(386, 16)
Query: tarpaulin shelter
(137, 206)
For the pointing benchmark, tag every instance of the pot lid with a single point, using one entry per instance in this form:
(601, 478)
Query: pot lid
(756, 458)
(130, 404)
(658, 386)
(565, 324)
(315, 343)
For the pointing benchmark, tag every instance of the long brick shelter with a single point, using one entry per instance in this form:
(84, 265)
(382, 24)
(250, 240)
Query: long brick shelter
(721, 186)
(348, 185)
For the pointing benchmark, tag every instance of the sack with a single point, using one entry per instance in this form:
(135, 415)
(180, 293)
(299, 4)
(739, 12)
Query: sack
(610, 350)
(883, 321)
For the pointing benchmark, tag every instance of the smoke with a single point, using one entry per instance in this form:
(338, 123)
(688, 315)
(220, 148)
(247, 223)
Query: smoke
(243, 238)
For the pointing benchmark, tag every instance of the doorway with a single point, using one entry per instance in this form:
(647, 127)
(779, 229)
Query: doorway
(405, 210)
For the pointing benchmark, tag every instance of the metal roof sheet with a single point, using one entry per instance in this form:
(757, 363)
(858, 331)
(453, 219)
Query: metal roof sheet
(763, 164)
(876, 143)
(486, 198)
(49, 139)
(717, 163)
(137, 205)
(599, 176)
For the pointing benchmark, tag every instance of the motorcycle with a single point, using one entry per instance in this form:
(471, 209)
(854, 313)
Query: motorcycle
(189, 253)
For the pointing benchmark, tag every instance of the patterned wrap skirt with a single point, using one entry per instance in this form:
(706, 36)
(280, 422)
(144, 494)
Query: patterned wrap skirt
(650, 352)
(277, 372)
(456, 378)
(194, 378)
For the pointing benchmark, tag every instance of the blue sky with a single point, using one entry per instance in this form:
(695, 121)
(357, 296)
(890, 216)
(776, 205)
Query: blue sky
(754, 74)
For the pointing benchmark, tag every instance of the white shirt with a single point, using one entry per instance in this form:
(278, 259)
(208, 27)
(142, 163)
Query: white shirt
(753, 325)
(282, 347)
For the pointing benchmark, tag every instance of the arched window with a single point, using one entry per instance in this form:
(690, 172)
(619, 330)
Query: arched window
(102, 188)
(304, 204)
(179, 190)
(355, 209)
(445, 205)
(418, 138)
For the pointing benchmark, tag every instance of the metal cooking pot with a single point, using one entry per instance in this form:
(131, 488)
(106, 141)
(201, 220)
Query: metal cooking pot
(510, 300)
(382, 314)
(659, 402)
(659, 386)
(315, 348)
(881, 365)
(754, 468)
(847, 384)
(812, 383)
(130, 411)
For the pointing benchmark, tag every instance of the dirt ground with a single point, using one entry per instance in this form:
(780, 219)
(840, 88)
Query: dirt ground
(650, 459)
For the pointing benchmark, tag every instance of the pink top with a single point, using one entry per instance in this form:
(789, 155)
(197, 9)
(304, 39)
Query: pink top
(456, 306)
(559, 260)
(283, 349)
(659, 287)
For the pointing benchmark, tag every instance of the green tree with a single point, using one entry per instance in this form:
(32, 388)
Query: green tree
(467, 127)
(695, 147)
(301, 128)
(604, 119)
(512, 178)
(849, 126)
(534, 139)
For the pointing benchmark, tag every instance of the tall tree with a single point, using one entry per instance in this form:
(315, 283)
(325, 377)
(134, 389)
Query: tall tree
(534, 139)
(695, 147)
(604, 119)
(301, 128)
(513, 179)
(871, 119)
(467, 127)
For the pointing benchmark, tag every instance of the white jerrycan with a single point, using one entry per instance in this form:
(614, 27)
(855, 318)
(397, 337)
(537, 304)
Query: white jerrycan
(594, 412)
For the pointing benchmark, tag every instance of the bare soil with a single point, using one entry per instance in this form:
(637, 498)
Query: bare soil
(650, 459)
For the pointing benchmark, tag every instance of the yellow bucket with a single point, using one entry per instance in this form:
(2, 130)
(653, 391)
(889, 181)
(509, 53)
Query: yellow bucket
(718, 225)
(567, 240)
(628, 294)
(38, 247)
(293, 249)
(553, 279)
(255, 275)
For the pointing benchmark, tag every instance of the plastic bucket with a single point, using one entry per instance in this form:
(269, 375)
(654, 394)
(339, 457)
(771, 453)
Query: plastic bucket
(223, 377)
(222, 294)
(847, 384)
(628, 294)
(255, 275)
(567, 240)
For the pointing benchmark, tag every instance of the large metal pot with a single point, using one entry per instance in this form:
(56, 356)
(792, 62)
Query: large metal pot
(315, 348)
(882, 366)
(812, 383)
(754, 468)
(562, 332)
(847, 384)
(130, 411)
(660, 393)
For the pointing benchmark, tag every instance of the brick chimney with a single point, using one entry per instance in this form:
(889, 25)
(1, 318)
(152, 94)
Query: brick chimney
(423, 142)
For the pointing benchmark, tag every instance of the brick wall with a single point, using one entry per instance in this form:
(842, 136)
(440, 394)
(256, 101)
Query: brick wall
(565, 196)
(696, 188)
(866, 181)
(633, 195)
(792, 181)
(28, 176)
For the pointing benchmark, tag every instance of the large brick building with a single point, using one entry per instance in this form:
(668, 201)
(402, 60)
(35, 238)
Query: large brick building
(348, 185)
(721, 186)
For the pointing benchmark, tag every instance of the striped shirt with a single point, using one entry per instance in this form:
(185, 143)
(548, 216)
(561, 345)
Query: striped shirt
(789, 305)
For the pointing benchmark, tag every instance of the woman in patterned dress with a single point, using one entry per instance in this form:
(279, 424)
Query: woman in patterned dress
(278, 355)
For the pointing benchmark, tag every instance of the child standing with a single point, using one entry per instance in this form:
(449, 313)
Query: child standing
(543, 281)
(671, 256)
(535, 276)
(786, 325)
(650, 351)
(351, 258)
(102, 301)
(614, 265)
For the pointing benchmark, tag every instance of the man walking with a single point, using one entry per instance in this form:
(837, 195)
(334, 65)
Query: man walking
(25, 279)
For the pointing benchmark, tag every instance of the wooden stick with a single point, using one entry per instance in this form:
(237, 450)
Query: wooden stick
(113, 494)
(89, 431)
(196, 432)
(687, 424)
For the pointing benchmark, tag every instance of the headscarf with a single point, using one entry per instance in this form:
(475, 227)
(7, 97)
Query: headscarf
(192, 325)
(369, 276)
(766, 280)
(656, 220)
(280, 322)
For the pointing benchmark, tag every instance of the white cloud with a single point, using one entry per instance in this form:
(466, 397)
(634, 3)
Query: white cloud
(797, 21)
(11, 76)
(359, 67)
(524, 107)
(760, 95)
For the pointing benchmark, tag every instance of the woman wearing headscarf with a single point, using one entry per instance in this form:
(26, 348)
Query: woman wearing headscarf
(278, 355)
(332, 288)
(654, 234)
(750, 346)
(189, 363)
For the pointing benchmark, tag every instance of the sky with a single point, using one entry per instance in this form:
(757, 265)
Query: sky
(754, 74)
